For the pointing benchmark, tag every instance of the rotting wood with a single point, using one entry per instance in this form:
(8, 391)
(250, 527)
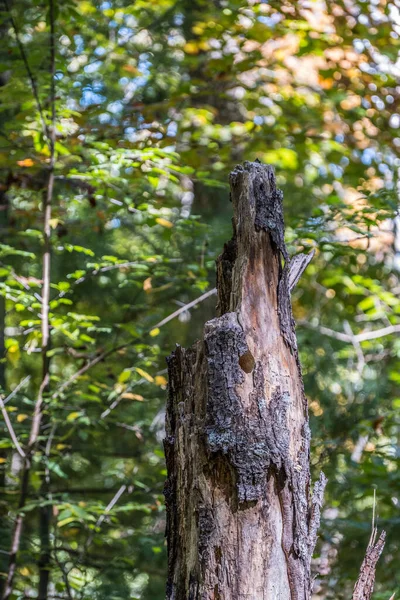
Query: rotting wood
(241, 521)
(365, 583)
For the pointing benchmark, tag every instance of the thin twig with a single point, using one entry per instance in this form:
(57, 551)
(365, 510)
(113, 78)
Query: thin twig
(103, 355)
(16, 389)
(64, 576)
(356, 345)
(114, 404)
(100, 520)
(124, 265)
(11, 429)
(185, 308)
(358, 338)
(28, 69)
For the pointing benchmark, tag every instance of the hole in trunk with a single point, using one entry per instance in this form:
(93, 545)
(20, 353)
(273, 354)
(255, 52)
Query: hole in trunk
(247, 362)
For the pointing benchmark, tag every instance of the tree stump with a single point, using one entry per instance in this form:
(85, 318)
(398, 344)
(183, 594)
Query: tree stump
(241, 521)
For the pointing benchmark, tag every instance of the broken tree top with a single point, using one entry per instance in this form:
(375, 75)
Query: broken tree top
(240, 519)
(257, 207)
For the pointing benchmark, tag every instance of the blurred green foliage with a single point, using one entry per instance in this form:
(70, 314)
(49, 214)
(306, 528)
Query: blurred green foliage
(156, 102)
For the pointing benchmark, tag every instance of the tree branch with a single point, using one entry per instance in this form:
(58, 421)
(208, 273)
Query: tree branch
(100, 520)
(108, 353)
(11, 429)
(350, 339)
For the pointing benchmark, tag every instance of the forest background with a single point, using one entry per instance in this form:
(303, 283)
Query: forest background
(120, 122)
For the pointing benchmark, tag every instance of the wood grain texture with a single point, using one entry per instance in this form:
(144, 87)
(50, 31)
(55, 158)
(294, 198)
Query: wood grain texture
(241, 520)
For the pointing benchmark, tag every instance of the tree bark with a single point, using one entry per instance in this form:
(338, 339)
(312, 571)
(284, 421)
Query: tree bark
(365, 583)
(241, 522)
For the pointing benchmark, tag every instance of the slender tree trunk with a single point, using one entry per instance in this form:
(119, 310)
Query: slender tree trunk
(4, 216)
(241, 523)
(45, 512)
(44, 562)
(3, 452)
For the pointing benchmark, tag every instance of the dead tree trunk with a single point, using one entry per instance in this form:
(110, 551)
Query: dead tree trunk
(241, 523)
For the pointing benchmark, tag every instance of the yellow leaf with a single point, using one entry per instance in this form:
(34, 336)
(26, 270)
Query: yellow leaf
(204, 45)
(124, 376)
(164, 222)
(161, 288)
(160, 380)
(145, 375)
(53, 223)
(155, 332)
(66, 521)
(27, 162)
(24, 572)
(130, 396)
(2, 461)
(21, 418)
(147, 284)
(86, 8)
(61, 446)
(73, 416)
(191, 48)
(198, 29)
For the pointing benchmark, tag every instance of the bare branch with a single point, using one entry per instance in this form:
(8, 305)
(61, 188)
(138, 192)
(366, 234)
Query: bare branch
(100, 520)
(185, 308)
(11, 429)
(108, 353)
(337, 335)
(374, 335)
(16, 389)
(114, 404)
(348, 339)
(357, 346)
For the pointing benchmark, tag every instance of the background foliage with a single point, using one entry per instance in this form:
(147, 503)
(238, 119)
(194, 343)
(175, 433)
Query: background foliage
(156, 101)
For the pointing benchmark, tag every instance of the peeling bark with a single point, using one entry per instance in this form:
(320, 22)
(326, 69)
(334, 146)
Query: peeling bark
(241, 520)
